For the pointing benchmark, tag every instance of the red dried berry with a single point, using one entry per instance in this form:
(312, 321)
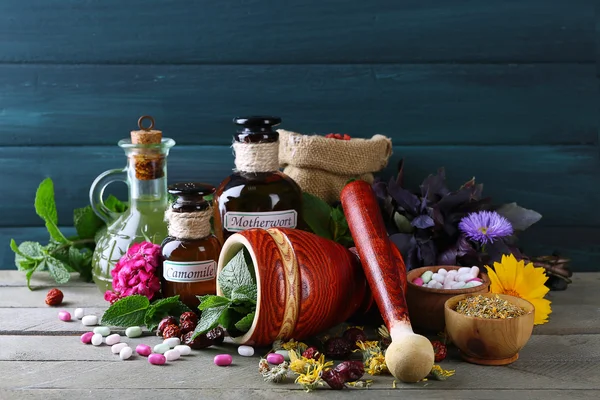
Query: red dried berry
(339, 136)
(353, 335)
(347, 137)
(54, 297)
(337, 348)
(166, 321)
(188, 316)
(330, 136)
(171, 331)
(201, 342)
(351, 370)
(187, 326)
(334, 379)
(440, 350)
(217, 335)
(311, 352)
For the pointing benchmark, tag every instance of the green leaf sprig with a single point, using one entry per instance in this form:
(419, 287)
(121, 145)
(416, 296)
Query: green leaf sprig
(137, 310)
(235, 310)
(326, 221)
(61, 255)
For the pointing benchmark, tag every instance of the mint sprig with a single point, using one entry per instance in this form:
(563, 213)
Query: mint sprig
(61, 255)
(137, 310)
(235, 310)
(326, 221)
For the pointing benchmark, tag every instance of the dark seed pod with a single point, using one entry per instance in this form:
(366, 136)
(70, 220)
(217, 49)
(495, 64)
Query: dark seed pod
(171, 331)
(337, 348)
(201, 342)
(187, 326)
(217, 335)
(170, 320)
(353, 335)
(188, 316)
(334, 379)
(311, 352)
(351, 370)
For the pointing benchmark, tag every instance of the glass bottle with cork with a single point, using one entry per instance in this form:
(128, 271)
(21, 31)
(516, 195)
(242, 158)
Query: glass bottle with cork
(146, 177)
(190, 252)
(257, 194)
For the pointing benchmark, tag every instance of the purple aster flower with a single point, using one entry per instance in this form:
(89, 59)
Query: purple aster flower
(485, 226)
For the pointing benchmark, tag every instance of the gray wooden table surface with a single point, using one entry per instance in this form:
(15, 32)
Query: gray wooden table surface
(41, 357)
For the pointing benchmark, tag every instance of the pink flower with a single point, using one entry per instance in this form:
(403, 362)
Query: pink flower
(135, 273)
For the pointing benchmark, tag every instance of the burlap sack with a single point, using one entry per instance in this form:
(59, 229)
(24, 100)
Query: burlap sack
(322, 166)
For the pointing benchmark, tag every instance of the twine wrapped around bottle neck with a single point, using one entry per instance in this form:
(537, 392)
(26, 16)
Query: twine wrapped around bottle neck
(189, 225)
(256, 157)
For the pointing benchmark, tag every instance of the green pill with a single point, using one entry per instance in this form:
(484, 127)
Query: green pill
(103, 330)
(133, 331)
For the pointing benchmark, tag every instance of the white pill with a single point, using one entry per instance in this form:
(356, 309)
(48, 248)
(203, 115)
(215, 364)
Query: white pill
(458, 285)
(183, 349)
(172, 342)
(97, 339)
(438, 277)
(103, 330)
(116, 348)
(474, 272)
(442, 271)
(246, 351)
(448, 285)
(437, 285)
(113, 339)
(89, 320)
(463, 277)
(475, 283)
(79, 313)
(464, 270)
(448, 279)
(452, 272)
(125, 353)
(161, 348)
(172, 355)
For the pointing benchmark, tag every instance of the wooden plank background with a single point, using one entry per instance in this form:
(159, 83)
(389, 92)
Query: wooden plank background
(503, 90)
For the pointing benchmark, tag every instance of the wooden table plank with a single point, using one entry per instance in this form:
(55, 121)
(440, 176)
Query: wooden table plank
(39, 280)
(75, 296)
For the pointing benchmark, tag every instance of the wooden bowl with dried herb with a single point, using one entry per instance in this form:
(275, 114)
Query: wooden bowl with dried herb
(489, 328)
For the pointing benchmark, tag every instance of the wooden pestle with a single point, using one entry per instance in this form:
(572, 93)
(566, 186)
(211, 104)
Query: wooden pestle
(410, 356)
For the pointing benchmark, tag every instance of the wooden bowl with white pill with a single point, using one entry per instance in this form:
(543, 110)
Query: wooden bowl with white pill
(426, 304)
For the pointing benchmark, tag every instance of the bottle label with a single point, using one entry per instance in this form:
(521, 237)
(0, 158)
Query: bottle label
(189, 271)
(239, 221)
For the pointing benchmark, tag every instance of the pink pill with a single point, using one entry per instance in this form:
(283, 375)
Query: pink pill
(223, 360)
(156, 359)
(86, 338)
(418, 281)
(64, 316)
(143, 350)
(274, 358)
(475, 280)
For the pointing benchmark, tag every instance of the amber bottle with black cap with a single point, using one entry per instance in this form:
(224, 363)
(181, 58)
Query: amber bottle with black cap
(257, 194)
(191, 251)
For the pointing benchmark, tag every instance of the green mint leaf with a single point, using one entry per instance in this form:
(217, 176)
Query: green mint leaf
(209, 319)
(55, 233)
(162, 308)
(211, 301)
(244, 294)
(339, 227)
(228, 319)
(28, 250)
(245, 308)
(38, 266)
(244, 324)
(45, 205)
(86, 222)
(236, 273)
(317, 214)
(115, 205)
(58, 270)
(128, 311)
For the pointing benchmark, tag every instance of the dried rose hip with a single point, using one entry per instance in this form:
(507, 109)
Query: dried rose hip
(171, 331)
(54, 297)
(353, 335)
(347, 137)
(217, 335)
(351, 370)
(334, 379)
(337, 348)
(311, 352)
(201, 342)
(187, 326)
(439, 350)
(166, 321)
(188, 316)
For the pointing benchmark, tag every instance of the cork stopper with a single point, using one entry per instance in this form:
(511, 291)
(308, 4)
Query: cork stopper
(146, 135)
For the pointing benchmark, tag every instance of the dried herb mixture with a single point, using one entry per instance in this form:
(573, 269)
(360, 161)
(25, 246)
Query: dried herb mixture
(489, 307)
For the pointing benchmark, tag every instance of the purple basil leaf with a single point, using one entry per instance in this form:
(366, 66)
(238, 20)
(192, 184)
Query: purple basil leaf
(496, 250)
(380, 189)
(400, 177)
(435, 185)
(403, 241)
(447, 257)
(463, 246)
(428, 252)
(423, 222)
(519, 217)
(404, 198)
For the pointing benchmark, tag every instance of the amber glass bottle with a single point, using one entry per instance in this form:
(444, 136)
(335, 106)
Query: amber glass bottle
(257, 194)
(190, 252)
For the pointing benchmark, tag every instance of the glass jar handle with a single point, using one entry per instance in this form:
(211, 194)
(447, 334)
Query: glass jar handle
(97, 192)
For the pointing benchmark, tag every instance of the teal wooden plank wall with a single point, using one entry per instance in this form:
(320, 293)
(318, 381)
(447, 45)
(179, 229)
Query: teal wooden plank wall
(503, 90)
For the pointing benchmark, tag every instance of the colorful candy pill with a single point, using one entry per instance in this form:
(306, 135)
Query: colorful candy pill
(418, 281)
(246, 351)
(125, 353)
(143, 350)
(97, 339)
(427, 276)
(103, 330)
(441, 271)
(172, 342)
(116, 348)
(183, 349)
(113, 339)
(161, 348)
(133, 332)
(89, 320)
(284, 353)
(223, 360)
(475, 280)
(79, 313)
(86, 338)
(274, 358)
(172, 355)
(64, 316)
(464, 270)
(438, 277)
(156, 359)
